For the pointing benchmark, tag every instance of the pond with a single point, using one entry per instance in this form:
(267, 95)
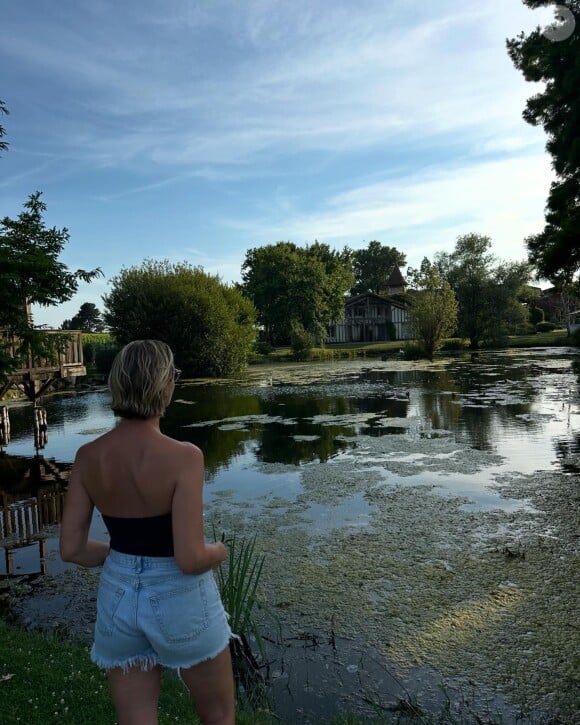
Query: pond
(419, 520)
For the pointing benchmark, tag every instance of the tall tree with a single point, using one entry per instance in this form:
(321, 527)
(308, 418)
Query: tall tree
(31, 273)
(373, 265)
(554, 60)
(292, 285)
(488, 292)
(87, 319)
(433, 307)
(208, 324)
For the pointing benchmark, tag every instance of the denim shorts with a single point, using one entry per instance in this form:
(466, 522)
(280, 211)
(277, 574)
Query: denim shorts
(150, 613)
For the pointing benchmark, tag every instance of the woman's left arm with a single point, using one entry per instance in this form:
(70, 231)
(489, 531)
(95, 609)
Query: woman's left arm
(75, 545)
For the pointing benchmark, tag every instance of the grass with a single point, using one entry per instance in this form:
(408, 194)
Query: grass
(354, 350)
(46, 680)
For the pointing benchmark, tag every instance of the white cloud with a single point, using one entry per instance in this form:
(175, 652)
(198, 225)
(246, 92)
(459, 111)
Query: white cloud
(427, 210)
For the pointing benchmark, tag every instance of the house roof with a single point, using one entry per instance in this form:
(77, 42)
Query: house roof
(382, 299)
(396, 279)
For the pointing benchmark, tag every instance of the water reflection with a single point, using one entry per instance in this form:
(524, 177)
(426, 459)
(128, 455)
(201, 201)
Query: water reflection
(509, 403)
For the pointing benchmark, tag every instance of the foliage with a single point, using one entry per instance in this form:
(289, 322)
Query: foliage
(103, 357)
(575, 341)
(87, 319)
(488, 293)
(433, 307)
(3, 111)
(262, 347)
(413, 351)
(301, 342)
(545, 326)
(453, 343)
(290, 284)
(208, 325)
(373, 265)
(556, 107)
(30, 272)
(238, 582)
(536, 315)
(391, 330)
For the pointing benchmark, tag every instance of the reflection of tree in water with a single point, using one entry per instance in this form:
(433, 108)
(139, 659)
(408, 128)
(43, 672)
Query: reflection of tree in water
(211, 403)
(446, 397)
(568, 453)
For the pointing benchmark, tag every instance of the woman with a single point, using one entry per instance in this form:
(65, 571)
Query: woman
(158, 603)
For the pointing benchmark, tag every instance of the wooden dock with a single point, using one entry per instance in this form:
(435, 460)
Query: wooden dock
(38, 374)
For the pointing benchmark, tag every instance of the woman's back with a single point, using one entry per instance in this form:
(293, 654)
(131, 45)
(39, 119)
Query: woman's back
(133, 470)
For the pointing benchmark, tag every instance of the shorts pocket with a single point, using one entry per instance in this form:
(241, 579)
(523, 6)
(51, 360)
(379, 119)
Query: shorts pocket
(108, 599)
(182, 614)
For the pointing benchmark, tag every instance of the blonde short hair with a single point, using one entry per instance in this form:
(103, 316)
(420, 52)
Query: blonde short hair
(139, 377)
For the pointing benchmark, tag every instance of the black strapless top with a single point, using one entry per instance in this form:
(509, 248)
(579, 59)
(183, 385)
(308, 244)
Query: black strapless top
(145, 536)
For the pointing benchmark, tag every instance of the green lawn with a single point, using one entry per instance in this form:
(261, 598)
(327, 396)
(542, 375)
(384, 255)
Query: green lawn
(345, 351)
(46, 680)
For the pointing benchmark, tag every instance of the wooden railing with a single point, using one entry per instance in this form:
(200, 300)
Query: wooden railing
(67, 362)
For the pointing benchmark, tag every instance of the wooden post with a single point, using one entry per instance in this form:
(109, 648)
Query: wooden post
(40, 428)
(4, 426)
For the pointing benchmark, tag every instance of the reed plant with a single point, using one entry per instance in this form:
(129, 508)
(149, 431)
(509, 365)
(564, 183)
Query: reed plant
(238, 582)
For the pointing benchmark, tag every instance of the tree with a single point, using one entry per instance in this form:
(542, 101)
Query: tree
(373, 265)
(292, 285)
(31, 273)
(556, 250)
(487, 292)
(87, 319)
(433, 307)
(208, 324)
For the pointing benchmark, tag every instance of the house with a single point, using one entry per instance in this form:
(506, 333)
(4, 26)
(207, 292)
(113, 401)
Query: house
(370, 317)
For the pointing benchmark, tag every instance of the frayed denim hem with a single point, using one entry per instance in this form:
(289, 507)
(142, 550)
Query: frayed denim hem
(205, 658)
(144, 662)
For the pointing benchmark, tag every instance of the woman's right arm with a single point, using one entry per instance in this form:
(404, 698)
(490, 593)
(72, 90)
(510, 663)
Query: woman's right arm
(192, 554)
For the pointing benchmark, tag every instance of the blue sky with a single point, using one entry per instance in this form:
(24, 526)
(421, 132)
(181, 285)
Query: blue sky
(197, 129)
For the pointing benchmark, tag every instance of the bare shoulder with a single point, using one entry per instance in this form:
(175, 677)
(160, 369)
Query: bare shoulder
(185, 452)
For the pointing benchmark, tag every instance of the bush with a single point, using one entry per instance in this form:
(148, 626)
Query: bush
(104, 356)
(545, 327)
(262, 347)
(208, 325)
(536, 315)
(413, 351)
(575, 338)
(453, 343)
(92, 341)
(301, 342)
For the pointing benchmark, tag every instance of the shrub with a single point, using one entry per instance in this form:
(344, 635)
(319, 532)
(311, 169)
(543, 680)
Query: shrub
(262, 347)
(575, 339)
(545, 327)
(209, 325)
(104, 356)
(301, 342)
(413, 351)
(453, 343)
(536, 315)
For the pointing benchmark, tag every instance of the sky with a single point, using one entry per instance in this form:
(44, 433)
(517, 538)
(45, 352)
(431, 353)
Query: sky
(195, 130)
